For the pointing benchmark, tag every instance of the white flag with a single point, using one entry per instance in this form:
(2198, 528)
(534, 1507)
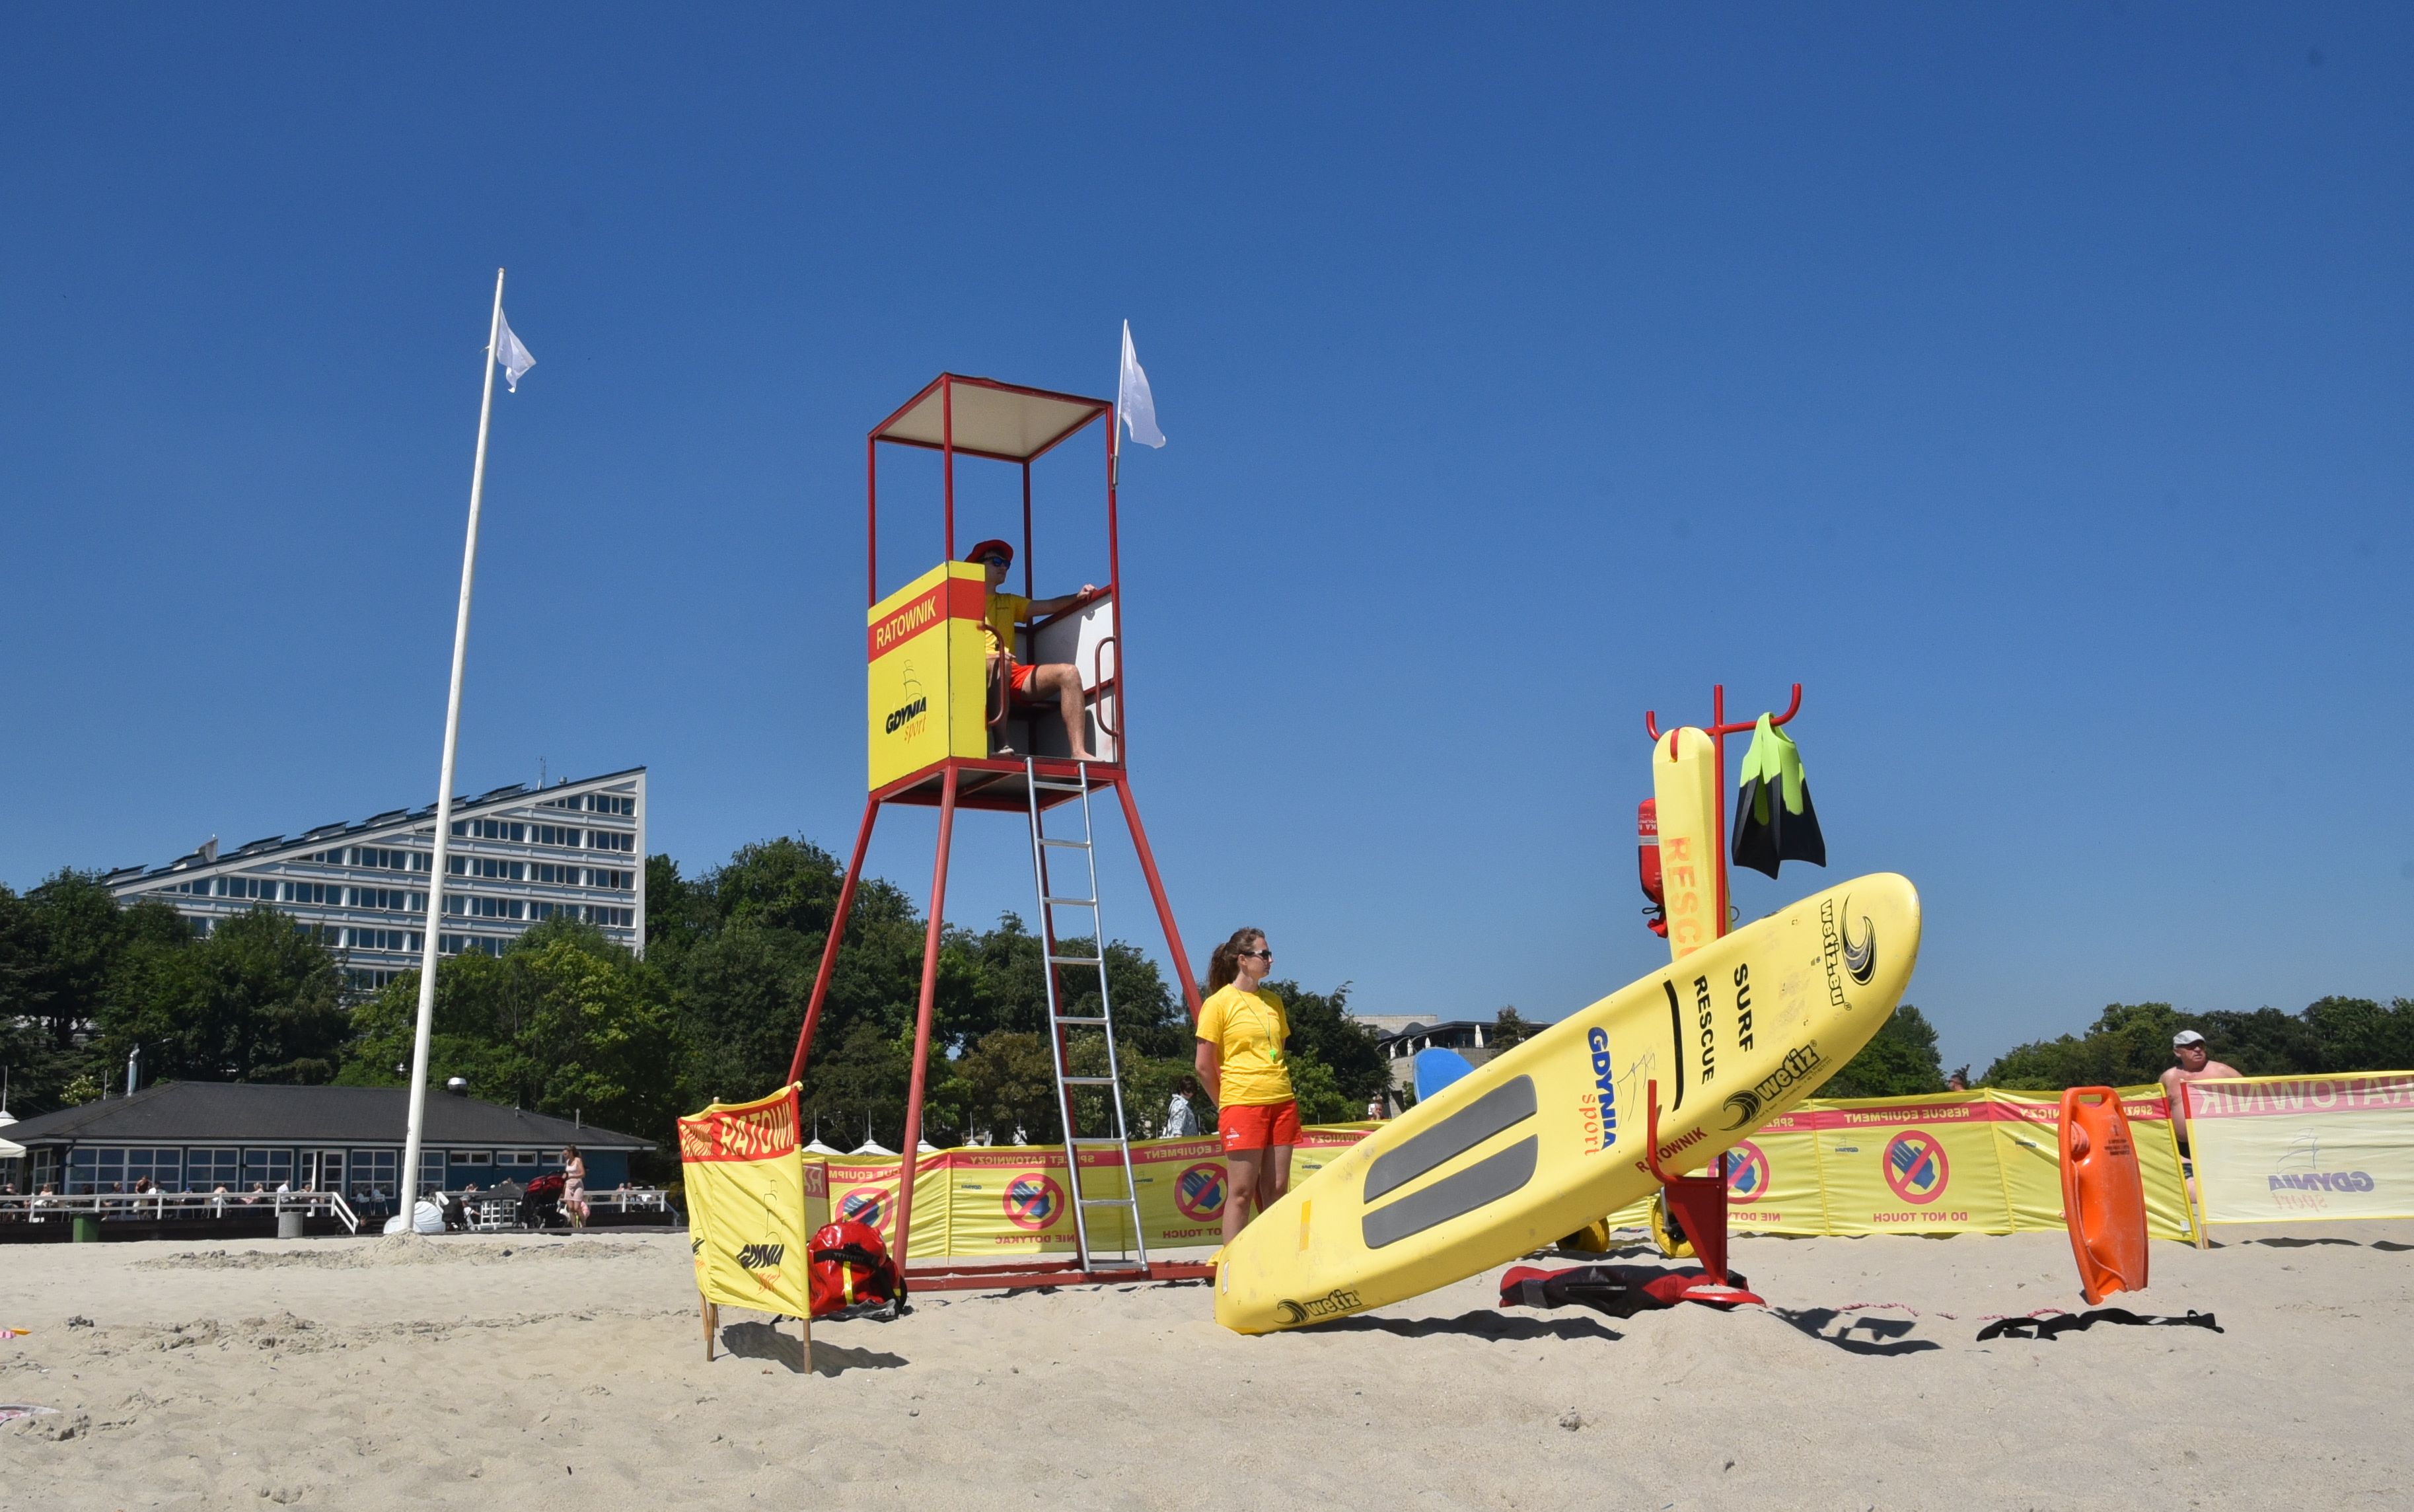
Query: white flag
(1132, 398)
(509, 352)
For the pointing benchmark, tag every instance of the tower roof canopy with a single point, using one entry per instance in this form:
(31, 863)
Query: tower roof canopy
(995, 419)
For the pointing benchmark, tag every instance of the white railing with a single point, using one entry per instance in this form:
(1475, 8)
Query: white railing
(486, 1212)
(483, 1209)
(165, 1205)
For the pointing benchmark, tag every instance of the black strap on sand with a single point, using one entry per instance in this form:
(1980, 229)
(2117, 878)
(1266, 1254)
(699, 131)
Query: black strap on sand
(2062, 1323)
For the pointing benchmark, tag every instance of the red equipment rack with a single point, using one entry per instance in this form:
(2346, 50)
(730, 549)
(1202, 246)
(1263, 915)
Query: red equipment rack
(1700, 1202)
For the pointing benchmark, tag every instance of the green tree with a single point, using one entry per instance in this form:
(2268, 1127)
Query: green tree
(1900, 1060)
(2359, 1034)
(259, 999)
(566, 1022)
(68, 956)
(1008, 1081)
(1335, 1065)
(740, 945)
(739, 996)
(1510, 1029)
(2129, 1044)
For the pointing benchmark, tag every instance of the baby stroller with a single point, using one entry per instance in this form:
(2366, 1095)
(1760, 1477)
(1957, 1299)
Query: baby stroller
(541, 1203)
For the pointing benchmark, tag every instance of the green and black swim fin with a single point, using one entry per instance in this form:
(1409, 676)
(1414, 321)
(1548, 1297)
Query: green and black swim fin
(1774, 820)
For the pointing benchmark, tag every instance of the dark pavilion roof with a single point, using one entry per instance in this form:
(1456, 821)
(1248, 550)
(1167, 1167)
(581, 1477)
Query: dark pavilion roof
(240, 1113)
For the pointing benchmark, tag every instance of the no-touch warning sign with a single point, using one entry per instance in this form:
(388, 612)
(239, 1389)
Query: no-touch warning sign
(1199, 1192)
(1033, 1200)
(1915, 1167)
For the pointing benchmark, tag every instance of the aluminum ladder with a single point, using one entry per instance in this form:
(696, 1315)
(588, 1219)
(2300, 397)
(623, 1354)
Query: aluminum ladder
(1059, 1021)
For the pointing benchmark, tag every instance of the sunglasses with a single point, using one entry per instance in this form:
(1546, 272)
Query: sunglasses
(1257, 954)
(992, 561)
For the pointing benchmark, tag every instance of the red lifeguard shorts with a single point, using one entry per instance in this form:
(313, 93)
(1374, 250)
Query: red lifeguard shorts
(1257, 1125)
(1016, 678)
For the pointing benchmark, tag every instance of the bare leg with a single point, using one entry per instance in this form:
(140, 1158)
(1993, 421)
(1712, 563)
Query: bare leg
(1276, 1179)
(1242, 1170)
(1066, 682)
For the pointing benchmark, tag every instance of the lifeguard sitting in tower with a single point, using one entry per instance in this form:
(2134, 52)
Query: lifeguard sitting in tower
(1000, 612)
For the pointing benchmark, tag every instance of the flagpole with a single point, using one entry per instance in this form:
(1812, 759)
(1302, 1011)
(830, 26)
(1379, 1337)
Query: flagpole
(409, 1184)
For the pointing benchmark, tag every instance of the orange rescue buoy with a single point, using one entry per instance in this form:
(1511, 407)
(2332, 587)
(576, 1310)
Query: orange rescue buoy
(2103, 1197)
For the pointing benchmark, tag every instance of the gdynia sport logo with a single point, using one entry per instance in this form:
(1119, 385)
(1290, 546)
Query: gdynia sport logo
(1599, 1105)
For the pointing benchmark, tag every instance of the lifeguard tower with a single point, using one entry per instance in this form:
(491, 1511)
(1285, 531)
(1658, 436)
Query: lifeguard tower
(943, 732)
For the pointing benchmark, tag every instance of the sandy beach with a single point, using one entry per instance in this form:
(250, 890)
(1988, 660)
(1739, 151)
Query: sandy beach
(568, 1373)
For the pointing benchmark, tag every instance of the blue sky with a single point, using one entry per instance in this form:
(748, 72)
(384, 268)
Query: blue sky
(2030, 383)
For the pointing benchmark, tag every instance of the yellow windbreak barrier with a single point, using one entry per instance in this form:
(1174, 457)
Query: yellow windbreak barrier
(747, 1222)
(1981, 1162)
(864, 1188)
(1984, 1161)
(2275, 1150)
(1012, 1199)
(999, 1200)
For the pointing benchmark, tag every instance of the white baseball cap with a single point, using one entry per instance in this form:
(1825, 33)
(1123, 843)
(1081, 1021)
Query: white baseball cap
(2186, 1036)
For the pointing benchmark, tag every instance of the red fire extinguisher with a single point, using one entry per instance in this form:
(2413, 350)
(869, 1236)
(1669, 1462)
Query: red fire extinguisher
(1646, 860)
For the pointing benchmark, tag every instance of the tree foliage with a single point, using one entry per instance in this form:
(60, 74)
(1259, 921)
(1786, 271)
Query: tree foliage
(83, 980)
(1510, 1029)
(259, 999)
(2130, 1044)
(1336, 1066)
(1900, 1060)
(565, 1022)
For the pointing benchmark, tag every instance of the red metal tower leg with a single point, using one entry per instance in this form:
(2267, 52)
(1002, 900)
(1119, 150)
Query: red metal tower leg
(908, 1167)
(829, 946)
(1157, 893)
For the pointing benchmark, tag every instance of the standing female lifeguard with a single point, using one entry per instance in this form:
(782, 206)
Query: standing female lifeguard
(1242, 1031)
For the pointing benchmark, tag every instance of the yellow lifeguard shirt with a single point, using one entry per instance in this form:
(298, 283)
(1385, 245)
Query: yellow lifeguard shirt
(1248, 1030)
(1000, 614)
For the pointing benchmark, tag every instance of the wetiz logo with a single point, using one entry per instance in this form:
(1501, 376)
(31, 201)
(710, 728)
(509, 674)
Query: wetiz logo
(1331, 1305)
(1799, 1063)
(1861, 960)
(1836, 947)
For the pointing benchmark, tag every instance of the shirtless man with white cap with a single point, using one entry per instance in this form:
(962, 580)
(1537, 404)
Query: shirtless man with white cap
(2195, 1064)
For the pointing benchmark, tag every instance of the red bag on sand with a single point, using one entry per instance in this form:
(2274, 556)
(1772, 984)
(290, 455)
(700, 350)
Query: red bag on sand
(852, 1272)
(1620, 1291)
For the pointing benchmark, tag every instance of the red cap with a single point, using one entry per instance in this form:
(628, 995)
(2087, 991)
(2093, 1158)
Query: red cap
(988, 547)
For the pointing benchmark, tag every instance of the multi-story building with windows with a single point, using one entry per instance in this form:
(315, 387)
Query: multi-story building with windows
(518, 855)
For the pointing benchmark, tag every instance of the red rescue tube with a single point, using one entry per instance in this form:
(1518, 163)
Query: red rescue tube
(2103, 1195)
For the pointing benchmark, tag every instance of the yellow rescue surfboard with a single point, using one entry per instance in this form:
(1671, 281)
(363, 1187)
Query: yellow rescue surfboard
(1549, 1136)
(1685, 795)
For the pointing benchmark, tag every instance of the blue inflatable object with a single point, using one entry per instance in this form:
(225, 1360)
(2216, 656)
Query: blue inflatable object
(1437, 1069)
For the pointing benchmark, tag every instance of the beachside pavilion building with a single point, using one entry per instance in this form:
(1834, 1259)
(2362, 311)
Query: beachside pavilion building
(200, 1135)
(518, 855)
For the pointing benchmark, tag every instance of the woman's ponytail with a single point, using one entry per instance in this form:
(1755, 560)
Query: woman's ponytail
(1224, 964)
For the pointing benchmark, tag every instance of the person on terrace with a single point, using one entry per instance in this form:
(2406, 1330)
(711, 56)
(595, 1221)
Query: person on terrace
(1001, 612)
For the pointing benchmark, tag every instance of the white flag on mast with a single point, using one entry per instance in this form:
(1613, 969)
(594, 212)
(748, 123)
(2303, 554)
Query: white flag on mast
(508, 351)
(1136, 406)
